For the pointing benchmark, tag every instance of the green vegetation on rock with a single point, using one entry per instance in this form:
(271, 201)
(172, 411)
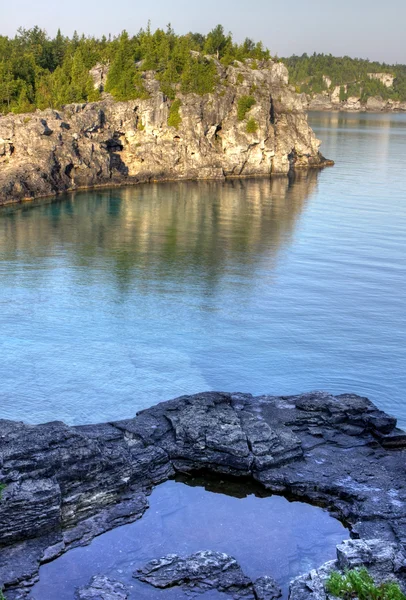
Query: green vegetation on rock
(174, 118)
(358, 583)
(252, 126)
(244, 105)
(2, 488)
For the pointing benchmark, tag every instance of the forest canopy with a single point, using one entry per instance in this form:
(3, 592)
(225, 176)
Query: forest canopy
(306, 73)
(39, 71)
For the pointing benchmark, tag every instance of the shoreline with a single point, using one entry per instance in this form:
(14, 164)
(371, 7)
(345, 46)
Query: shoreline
(116, 185)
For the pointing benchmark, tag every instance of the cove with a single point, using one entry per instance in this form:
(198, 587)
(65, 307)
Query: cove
(268, 535)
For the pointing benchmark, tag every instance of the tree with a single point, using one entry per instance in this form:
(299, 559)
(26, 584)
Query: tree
(124, 81)
(217, 42)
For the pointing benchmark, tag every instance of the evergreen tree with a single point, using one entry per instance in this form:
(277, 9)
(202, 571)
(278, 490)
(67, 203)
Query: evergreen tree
(124, 81)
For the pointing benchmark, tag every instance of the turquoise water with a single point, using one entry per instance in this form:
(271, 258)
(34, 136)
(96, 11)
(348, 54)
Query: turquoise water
(111, 301)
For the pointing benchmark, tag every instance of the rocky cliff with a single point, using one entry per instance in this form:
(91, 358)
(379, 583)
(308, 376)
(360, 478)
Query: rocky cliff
(120, 143)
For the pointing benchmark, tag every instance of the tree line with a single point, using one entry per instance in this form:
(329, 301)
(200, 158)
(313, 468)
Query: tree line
(308, 74)
(37, 71)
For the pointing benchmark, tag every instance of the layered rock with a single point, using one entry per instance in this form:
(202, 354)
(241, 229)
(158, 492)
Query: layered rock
(119, 143)
(65, 485)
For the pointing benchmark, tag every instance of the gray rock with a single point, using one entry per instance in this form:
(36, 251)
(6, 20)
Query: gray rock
(266, 588)
(102, 588)
(202, 571)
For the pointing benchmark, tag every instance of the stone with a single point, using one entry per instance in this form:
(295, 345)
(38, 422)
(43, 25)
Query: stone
(102, 588)
(202, 571)
(266, 588)
(65, 485)
(123, 143)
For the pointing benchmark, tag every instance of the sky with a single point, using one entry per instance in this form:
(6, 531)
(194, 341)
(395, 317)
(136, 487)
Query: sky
(359, 28)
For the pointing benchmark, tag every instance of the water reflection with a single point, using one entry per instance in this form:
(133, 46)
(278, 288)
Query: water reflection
(267, 535)
(141, 235)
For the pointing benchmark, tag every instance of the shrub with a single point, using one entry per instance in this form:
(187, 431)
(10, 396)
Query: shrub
(252, 126)
(2, 488)
(174, 118)
(359, 583)
(240, 78)
(245, 103)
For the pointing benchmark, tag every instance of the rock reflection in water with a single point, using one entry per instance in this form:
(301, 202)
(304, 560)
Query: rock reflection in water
(116, 291)
(267, 535)
(152, 233)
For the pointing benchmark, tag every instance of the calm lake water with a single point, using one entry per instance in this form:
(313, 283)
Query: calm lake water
(111, 301)
(267, 535)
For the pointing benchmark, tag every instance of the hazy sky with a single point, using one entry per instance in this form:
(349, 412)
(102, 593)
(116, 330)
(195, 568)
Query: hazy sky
(364, 28)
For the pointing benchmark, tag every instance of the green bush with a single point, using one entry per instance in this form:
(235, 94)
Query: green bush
(359, 583)
(174, 118)
(252, 126)
(2, 488)
(240, 78)
(245, 103)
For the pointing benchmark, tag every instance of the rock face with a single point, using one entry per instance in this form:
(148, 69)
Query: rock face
(207, 570)
(108, 143)
(65, 485)
(384, 562)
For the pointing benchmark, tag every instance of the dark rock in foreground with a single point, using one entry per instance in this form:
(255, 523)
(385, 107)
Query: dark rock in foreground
(65, 485)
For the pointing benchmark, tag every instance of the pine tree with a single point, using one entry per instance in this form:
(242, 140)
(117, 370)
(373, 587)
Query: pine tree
(124, 81)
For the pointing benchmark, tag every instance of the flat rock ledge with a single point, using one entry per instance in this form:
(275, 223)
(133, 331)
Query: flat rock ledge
(62, 486)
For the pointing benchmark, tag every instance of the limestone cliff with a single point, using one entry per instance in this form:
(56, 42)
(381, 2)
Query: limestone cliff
(120, 143)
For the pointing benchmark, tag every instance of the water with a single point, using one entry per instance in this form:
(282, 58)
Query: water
(111, 301)
(268, 536)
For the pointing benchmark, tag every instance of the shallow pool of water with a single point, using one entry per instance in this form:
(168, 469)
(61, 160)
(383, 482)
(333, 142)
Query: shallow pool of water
(267, 536)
